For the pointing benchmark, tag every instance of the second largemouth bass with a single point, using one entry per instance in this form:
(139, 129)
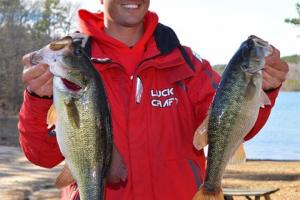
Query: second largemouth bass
(233, 112)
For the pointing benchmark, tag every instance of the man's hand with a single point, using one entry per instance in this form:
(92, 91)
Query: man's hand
(275, 71)
(37, 78)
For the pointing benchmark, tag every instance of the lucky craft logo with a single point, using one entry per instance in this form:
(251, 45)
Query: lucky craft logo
(163, 98)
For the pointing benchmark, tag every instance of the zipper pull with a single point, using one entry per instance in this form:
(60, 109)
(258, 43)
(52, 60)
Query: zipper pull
(138, 90)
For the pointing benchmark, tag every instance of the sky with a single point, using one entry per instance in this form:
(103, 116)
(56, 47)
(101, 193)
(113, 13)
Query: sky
(215, 29)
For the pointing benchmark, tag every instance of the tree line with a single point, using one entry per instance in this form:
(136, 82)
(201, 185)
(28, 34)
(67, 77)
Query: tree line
(25, 26)
(295, 20)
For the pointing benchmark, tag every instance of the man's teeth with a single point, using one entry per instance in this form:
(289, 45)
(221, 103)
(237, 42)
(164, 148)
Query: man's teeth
(131, 6)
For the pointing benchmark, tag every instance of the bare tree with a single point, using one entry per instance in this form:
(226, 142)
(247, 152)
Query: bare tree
(295, 21)
(24, 27)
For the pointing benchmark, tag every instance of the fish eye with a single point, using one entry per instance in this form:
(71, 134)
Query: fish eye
(77, 52)
(244, 67)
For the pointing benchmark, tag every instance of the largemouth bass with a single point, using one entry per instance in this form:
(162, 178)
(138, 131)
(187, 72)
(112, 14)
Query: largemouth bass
(233, 112)
(83, 124)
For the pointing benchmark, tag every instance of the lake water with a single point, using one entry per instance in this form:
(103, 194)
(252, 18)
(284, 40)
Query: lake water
(280, 137)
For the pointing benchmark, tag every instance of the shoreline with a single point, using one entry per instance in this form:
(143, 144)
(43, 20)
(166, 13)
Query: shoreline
(271, 160)
(266, 174)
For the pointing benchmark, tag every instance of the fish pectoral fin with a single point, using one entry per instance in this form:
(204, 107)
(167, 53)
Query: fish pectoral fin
(118, 170)
(202, 194)
(251, 89)
(65, 178)
(51, 117)
(200, 139)
(239, 156)
(264, 99)
(72, 112)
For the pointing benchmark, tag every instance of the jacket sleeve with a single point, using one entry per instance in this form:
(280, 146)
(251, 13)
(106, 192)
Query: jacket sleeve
(202, 88)
(38, 146)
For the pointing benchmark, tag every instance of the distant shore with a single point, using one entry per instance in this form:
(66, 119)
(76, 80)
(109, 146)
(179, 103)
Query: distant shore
(271, 160)
(292, 83)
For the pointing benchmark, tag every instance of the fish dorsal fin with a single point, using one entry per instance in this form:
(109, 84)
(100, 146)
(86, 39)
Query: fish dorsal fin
(51, 117)
(200, 137)
(118, 171)
(239, 156)
(65, 178)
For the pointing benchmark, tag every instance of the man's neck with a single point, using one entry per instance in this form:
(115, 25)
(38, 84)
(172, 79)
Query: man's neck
(128, 35)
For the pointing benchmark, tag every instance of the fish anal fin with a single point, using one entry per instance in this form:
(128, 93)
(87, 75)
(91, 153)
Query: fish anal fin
(200, 137)
(51, 117)
(239, 156)
(65, 178)
(118, 171)
(202, 194)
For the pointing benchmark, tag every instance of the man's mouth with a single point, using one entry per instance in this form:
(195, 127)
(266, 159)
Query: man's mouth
(131, 6)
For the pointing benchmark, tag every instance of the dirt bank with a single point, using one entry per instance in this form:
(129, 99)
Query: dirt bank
(22, 180)
(266, 174)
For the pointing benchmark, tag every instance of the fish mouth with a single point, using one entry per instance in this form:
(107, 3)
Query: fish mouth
(259, 50)
(262, 47)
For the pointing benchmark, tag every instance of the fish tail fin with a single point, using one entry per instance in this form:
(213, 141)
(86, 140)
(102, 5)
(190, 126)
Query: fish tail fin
(51, 117)
(239, 156)
(202, 194)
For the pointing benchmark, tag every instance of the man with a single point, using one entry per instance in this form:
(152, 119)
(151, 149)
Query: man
(153, 127)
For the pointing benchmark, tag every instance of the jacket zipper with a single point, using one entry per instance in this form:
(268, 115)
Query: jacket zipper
(135, 78)
(138, 81)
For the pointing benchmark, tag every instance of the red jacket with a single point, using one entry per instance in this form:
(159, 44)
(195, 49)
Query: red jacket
(155, 112)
